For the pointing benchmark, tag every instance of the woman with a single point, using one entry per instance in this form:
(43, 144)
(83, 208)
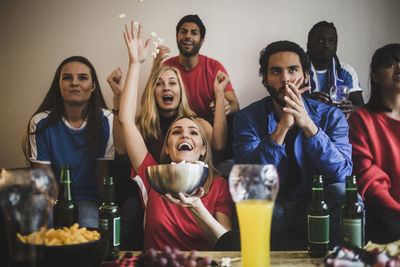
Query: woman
(374, 134)
(72, 126)
(163, 100)
(190, 222)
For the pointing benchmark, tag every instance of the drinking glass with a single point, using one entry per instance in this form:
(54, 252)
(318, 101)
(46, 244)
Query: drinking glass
(26, 196)
(339, 93)
(254, 189)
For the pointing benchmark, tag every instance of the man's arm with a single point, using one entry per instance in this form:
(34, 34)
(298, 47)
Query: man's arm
(233, 101)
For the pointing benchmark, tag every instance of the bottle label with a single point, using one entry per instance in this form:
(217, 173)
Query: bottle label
(318, 229)
(352, 232)
(116, 231)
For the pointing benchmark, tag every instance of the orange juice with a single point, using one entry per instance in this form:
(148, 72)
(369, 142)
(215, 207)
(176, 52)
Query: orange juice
(255, 226)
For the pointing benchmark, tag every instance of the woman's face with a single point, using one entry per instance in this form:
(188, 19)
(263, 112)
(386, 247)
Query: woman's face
(76, 83)
(388, 77)
(167, 93)
(185, 141)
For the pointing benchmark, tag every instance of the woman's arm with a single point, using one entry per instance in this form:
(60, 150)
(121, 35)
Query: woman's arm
(219, 132)
(213, 227)
(116, 84)
(134, 142)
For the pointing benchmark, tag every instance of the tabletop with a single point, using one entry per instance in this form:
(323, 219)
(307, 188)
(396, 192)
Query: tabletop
(278, 258)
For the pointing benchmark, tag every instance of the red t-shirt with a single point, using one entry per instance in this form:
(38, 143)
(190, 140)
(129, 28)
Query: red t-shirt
(169, 224)
(376, 156)
(199, 83)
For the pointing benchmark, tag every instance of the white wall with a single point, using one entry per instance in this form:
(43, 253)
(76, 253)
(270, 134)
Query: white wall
(36, 35)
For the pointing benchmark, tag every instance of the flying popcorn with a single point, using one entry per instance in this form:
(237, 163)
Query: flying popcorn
(153, 34)
(160, 40)
(122, 15)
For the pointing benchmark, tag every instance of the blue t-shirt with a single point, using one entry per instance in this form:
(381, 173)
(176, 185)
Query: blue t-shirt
(63, 144)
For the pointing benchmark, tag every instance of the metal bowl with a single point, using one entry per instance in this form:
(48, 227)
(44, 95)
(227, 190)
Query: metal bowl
(183, 178)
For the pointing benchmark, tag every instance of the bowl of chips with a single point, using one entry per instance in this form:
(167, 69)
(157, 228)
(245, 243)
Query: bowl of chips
(69, 246)
(175, 178)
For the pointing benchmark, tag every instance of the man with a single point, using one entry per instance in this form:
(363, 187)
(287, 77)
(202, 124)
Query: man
(301, 137)
(197, 71)
(326, 70)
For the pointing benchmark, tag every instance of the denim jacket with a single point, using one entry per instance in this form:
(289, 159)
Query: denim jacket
(328, 152)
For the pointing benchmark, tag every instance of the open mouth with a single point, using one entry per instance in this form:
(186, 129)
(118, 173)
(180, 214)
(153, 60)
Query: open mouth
(185, 147)
(168, 98)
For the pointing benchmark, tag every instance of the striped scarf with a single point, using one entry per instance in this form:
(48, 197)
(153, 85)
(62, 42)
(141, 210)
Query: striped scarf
(333, 78)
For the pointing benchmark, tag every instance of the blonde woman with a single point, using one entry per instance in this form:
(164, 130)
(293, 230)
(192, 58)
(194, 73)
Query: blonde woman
(163, 100)
(190, 222)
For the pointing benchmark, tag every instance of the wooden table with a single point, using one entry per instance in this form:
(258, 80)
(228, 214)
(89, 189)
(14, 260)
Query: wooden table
(278, 258)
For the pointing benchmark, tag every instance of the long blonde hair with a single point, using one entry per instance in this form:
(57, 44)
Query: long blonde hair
(148, 120)
(207, 158)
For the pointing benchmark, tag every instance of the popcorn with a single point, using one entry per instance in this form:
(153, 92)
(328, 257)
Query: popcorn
(153, 34)
(122, 15)
(154, 54)
(160, 40)
(136, 25)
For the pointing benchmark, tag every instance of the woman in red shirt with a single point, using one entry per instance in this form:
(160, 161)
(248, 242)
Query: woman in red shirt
(190, 222)
(375, 136)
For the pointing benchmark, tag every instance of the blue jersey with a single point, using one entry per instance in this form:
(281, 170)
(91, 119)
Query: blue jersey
(63, 144)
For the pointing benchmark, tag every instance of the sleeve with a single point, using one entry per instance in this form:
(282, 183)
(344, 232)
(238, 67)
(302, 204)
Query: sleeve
(141, 179)
(249, 146)
(224, 201)
(107, 150)
(351, 78)
(373, 182)
(39, 145)
(330, 150)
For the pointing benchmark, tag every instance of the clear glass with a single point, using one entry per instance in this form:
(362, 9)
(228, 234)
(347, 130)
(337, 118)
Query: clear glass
(254, 189)
(339, 93)
(26, 196)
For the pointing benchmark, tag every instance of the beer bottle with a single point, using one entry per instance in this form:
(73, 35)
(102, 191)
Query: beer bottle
(352, 216)
(318, 220)
(65, 211)
(109, 220)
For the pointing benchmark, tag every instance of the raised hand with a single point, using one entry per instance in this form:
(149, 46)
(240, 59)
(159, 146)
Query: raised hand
(137, 51)
(161, 56)
(221, 81)
(115, 80)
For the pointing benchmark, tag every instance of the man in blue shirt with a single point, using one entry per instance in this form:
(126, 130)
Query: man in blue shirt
(326, 70)
(300, 136)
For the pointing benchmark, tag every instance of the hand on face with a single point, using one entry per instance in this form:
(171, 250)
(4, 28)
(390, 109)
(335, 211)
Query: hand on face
(116, 82)
(192, 201)
(137, 51)
(295, 104)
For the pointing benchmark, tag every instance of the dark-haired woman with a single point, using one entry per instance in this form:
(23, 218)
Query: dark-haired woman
(375, 136)
(72, 126)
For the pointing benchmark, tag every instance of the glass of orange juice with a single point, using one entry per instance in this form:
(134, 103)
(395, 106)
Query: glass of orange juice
(254, 189)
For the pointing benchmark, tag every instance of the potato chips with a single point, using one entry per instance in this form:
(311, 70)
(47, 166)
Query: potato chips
(60, 237)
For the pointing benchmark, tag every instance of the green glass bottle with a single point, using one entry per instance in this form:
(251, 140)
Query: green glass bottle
(65, 211)
(352, 216)
(109, 220)
(318, 220)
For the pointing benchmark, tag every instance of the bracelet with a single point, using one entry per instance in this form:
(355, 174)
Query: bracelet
(115, 111)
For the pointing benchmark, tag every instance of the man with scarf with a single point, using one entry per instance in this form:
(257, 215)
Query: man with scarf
(326, 70)
(301, 137)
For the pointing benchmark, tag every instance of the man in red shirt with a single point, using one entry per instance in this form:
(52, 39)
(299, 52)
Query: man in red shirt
(197, 71)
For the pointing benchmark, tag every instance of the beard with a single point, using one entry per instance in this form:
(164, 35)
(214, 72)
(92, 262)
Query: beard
(275, 93)
(189, 53)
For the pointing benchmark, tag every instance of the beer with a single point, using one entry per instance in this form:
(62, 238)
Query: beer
(109, 220)
(65, 211)
(352, 216)
(318, 220)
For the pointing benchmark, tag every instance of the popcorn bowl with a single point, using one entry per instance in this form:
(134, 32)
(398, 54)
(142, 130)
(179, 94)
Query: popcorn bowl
(178, 178)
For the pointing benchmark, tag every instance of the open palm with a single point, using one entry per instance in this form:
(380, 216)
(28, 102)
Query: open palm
(137, 51)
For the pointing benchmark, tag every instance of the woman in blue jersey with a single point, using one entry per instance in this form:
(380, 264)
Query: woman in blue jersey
(72, 126)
